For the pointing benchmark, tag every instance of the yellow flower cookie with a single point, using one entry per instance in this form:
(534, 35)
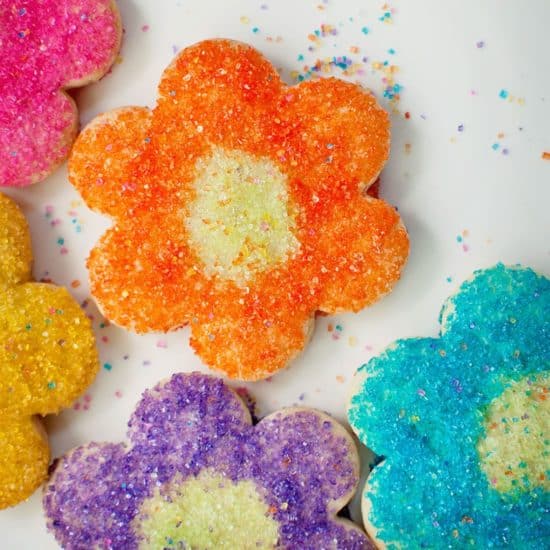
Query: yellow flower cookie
(47, 359)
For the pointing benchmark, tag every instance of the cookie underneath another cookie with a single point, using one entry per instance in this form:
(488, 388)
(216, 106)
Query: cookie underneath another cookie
(198, 474)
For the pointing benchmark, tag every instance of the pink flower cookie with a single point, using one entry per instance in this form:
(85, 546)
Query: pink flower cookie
(47, 47)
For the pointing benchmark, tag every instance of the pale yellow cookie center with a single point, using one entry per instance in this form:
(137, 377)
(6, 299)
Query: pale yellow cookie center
(206, 512)
(515, 449)
(242, 220)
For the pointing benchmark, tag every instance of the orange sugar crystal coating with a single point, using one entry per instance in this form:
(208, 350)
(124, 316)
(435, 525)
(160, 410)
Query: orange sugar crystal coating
(47, 359)
(239, 207)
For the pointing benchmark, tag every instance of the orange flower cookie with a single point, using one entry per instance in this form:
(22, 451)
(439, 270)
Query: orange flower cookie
(240, 207)
(47, 359)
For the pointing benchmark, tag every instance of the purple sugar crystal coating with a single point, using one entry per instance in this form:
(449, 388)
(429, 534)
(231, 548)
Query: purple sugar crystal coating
(303, 460)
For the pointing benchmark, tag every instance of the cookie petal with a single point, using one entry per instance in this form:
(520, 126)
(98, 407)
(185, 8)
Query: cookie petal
(337, 135)
(361, 254)
(249, 337)
(104, 164)
(26, 158)
(47, 350)
(25, 457)
(223, 86)
(309, 464)
(141, 276)
(91, 40)
(518, 301)
(86, 498)
(297, 438)
(15, 244)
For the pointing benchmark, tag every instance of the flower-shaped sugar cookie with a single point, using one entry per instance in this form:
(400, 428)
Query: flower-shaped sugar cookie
(240, 207)
(48, 47)
(463, 422)
(47, 358)
(198, 474)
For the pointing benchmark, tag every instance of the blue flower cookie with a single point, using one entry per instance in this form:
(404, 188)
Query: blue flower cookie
(461, 423)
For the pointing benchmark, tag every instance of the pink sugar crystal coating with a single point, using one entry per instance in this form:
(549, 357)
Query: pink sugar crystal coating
(46, 46)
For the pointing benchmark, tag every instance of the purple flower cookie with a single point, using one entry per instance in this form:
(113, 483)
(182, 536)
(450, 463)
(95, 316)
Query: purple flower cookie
(198, 474)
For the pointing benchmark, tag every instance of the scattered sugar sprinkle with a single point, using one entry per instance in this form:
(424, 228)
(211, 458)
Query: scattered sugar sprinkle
(387, 14)
(505, 94)
(460, 239)
(316, 37)
(499, 146)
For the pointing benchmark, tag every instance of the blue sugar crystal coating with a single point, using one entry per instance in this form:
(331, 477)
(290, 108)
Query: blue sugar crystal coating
(421, 406)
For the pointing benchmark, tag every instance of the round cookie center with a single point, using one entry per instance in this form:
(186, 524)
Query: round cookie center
(515, 448)
(241, 221)
(207, 511)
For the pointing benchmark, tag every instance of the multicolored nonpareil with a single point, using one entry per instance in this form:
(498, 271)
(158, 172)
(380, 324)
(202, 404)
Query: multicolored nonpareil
(240, 207)
(462, 422)
(48, 47)
(47, 359)
(198, 474)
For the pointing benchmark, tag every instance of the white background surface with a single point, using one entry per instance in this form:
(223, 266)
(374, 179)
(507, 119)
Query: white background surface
(449, 182)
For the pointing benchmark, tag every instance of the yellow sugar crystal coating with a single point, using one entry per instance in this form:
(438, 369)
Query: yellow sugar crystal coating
(241, 220)
(515, 451)
(24, 459)
(47, 349)
(47, 359)
(15, 244)
(207, 511)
